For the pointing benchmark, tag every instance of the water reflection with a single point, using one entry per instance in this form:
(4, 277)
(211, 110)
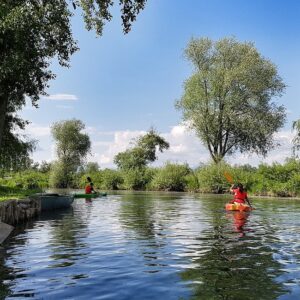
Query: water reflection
(235, 266)
(239, 221)
(66, 241)
(156, 246)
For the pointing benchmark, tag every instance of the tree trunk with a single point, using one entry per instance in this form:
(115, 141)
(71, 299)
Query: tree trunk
(3, 110)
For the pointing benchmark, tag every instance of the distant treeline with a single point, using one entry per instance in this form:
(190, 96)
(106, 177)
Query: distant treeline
(266, 180)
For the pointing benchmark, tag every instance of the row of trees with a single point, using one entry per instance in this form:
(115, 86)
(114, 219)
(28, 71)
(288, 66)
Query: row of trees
(270, 180)
(134, 173)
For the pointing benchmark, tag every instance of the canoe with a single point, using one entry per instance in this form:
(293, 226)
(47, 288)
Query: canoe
(87, 196)
(54, 201)
(237, 206)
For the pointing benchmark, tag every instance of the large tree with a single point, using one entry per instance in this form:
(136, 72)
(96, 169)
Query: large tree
(296, 138)
(228, 98)
(72, 147)
(16, 155)
(32, 32)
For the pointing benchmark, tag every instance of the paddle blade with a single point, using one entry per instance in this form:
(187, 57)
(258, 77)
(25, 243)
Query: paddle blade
(228, 177)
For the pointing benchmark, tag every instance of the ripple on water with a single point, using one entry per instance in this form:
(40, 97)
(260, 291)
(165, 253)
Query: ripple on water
(156, 246)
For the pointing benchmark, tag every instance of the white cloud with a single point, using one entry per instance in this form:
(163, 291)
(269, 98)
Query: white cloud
(37, 131)
(64, 107)
(61, 97)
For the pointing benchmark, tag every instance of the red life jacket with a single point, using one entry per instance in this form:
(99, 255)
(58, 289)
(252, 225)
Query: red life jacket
(239, 196)
(88, 189)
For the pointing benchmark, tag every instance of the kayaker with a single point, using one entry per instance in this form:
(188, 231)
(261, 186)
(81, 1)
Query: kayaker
(89, 188)
(240, 195)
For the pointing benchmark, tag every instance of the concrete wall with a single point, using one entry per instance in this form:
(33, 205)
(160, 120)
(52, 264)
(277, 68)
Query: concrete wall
(17, 211)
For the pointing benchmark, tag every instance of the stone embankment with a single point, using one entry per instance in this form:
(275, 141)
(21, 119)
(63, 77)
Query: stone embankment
(17, 211)
(13, 212)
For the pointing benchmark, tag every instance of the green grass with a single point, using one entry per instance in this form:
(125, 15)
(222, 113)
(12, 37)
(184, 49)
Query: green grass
(7, 193)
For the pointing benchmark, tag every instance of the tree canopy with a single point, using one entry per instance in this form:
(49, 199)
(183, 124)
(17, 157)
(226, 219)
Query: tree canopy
(16, 153)
(296, 139)
(228, 98)
(143, 152)
(32, 32)
(72, 147)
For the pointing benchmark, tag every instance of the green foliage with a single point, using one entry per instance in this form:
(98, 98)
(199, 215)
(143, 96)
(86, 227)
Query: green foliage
(143, 152)
(296, 139)
(227, 100)
(97, 12)
(32, 33)
(192, 183)
(61, 176)
(172, 177)
(106, 179)
(16, 149)
(278, 179)
(111, 179)
(91, 167)
(44, 167)
(134, 179)
(211, 177)
(72, 147)
(131, 159)
(7, 193)
(26, 180)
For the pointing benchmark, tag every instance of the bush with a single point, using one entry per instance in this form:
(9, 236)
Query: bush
(135, 179)
(110, 179)
(61, 176)
(29, 180)
(192, 183)
(172, 177)
(212, 178)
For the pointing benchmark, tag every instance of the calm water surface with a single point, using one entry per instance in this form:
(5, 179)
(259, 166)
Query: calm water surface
(156, 246)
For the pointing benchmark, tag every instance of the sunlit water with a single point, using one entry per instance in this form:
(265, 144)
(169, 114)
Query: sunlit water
(156, 246)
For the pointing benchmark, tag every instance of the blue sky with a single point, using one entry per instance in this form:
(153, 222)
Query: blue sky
(121, 85)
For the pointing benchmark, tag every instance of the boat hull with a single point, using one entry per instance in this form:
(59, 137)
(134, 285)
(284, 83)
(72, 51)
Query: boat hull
(237, 207)
(88, 196)
(54, 201)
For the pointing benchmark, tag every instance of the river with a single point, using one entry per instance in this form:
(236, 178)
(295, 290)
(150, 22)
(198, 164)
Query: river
(149, 245)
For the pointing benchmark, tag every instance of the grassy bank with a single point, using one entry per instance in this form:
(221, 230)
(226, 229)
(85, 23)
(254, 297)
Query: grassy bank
(279, 180)
(7, 193)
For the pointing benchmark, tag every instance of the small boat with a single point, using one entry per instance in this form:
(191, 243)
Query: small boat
(87, 196)
(237, 206)
(51, 201)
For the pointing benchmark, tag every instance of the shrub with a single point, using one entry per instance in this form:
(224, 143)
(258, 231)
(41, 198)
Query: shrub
(61, 176)
(192, 183)
(110, 179)
(172, 177)
(135, 179)
(212, 178)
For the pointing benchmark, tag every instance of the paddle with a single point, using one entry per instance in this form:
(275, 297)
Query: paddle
(228, 177)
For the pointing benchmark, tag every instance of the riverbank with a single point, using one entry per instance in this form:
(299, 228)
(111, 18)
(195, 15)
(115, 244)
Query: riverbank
(276, 180)
(12, 193)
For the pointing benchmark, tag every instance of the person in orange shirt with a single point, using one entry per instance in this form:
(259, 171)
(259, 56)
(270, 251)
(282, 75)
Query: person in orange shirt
(89, 188)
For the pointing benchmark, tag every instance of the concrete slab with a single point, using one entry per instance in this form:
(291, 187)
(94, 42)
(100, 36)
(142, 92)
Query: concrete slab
(5, 231)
